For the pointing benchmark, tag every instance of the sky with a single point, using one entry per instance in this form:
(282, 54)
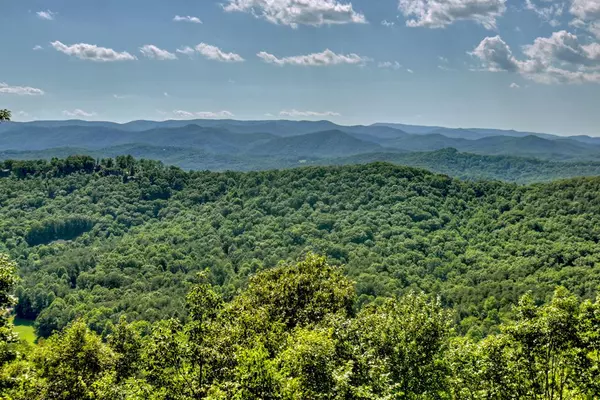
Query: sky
(531, 65)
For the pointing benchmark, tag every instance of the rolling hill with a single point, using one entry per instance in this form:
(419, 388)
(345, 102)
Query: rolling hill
(269, 144)
(321, 144)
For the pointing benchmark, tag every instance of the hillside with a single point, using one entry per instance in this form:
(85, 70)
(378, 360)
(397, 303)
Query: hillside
(209, 139)
(321, 144)
(288, 140)
(447, 161)
(480, 167)
(158, 276)
(132, 244)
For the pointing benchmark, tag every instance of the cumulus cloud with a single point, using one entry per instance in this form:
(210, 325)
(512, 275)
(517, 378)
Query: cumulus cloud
(90, 52)
(587, 15)
(395, 65)
(563, 47)
(387, 23)
(514, 86)
(46, 15)
(560, 58)
(298, 12)
(202, 114)
(5, 88)
(495, 54)
(441, 13)
(586, 10)
(187, 18)
(37, 48)
(326, 58)
(296, 113)
(216, 54)
(78, 113)
(153, 52)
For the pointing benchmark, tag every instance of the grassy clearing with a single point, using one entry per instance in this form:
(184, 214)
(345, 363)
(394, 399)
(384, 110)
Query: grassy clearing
(25, 329)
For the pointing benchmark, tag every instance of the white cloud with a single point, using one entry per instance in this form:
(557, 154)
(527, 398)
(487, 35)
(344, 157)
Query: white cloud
(183, 114)
(548, 10)
(441, 13)
(166, 94)
(187, 50)
(219, 114)
(151, 51)
(296, 113)
(202, 114)
(387, 23)
(187, 18)
(269, 115)
(586, 10)
(78, 113)
(20, 90)
(298, 12)
(443, 59)
(560, 58)
(395, 65)
(563, 47)
(92, 52)
(495, 54)
(216, 54)
(37, 48)
(46, 15)
(410, 71)
(594, 29)
(514, 86)
(326, 58)
(587, 15)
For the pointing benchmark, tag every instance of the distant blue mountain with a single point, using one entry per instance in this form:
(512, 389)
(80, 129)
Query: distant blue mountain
(283, 138)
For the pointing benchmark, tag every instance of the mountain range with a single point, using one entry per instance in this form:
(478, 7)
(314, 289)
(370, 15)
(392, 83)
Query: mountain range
(249, 145)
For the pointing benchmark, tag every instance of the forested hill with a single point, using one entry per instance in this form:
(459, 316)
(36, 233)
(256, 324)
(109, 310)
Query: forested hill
(125, 237)
(447, 161)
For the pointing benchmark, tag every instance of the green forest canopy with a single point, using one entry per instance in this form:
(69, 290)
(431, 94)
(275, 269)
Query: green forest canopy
(293, 333)
(120, 237)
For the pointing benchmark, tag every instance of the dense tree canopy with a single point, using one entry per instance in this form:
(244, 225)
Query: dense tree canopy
(292, 333)
(102, 239)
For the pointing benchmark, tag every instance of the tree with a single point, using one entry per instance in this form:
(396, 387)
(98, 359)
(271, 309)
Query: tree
(401, 342)
(549, 352)
(71, 363)
(5, 115)
(7, 281)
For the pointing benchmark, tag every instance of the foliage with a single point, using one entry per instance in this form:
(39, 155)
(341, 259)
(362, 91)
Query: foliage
(448, 161)
(5, 115)
(544, 354)
(401, 348)
(7, 281)
(101, 239)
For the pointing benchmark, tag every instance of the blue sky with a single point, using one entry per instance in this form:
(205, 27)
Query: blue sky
(528, 65)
